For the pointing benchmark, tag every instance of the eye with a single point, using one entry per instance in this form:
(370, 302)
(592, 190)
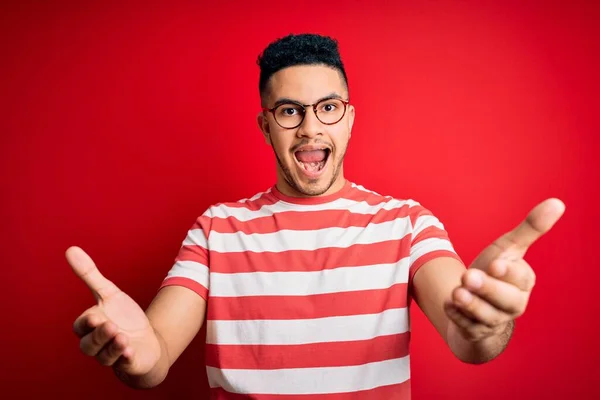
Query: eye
(289, 111)
(329, 107)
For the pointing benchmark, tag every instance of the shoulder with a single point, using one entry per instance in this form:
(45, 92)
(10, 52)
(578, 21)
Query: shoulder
(402, 206)
(237, 208)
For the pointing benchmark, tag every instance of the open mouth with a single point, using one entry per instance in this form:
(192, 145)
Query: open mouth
(313, 161)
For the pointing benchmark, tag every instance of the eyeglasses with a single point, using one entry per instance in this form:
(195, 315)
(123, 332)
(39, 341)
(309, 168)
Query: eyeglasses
(289, 115)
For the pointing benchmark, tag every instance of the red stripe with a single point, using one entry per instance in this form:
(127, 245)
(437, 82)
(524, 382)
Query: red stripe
(193, 253)
(319, 219)
(308, 307)
(400, 391)
(416, 212)
(185, 282)
(311, 260)
(313, 355)
(431, 232)
(306, 220)
(370, 198)
(203, 223)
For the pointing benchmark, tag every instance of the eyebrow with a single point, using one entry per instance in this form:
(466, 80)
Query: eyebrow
(286, 100)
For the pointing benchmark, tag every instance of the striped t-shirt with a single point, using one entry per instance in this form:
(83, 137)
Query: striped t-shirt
(307, 298)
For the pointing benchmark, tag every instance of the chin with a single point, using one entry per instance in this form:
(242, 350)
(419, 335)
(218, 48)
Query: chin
(315, 187)
(313, 177)
(311, 186)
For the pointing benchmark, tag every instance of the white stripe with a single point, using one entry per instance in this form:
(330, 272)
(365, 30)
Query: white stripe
(356, 207)
(190, 269)
(196, 237)
(425, 222)
(286, 240)
(255, 197)
(363, 189)
(312, 380)
(427, 246)
(259, 195)
(302, 331)
(344, 279)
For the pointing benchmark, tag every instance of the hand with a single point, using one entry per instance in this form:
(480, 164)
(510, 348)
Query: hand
(116, 331)
(495, 289)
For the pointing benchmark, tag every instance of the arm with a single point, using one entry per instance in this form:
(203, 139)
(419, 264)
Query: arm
(142, 346)
(177, 312)
(433, 287)
(176, 315)
(474, 309)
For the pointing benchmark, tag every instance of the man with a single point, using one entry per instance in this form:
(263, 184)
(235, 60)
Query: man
(306, 286)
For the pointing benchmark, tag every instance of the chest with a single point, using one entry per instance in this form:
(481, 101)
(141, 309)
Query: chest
(351, 266)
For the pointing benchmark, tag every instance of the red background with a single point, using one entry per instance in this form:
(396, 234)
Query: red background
(121, 124)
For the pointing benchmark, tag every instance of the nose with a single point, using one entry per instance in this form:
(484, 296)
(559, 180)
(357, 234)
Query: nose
(311, 126)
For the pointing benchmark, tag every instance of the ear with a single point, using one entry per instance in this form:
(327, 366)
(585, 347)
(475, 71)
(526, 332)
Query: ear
(351, 115)
(263, 125)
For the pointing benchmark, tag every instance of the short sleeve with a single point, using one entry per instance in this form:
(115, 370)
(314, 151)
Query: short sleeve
(429, 239)
(191, 265)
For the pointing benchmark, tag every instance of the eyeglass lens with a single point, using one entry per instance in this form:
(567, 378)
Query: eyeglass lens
(290, 115)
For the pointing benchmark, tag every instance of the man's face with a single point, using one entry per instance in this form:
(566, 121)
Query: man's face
(310, 157)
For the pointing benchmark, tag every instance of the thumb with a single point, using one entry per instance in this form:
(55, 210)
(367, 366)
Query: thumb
(539, 221)
(86, 270)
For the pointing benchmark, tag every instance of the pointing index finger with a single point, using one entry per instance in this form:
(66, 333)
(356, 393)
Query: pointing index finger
(539, 221)
(86, 270)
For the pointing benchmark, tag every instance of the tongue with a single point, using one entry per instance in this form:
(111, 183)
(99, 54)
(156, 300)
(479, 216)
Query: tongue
(311, 156)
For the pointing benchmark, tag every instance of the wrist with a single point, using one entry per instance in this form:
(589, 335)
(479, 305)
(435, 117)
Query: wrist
(473, 348)
(149, 377)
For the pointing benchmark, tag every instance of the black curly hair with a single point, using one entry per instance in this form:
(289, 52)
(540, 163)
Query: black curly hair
(301, 49)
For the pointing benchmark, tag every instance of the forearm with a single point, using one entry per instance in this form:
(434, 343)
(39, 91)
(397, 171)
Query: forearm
(153, 377)
(478, 351)
(176, 315)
